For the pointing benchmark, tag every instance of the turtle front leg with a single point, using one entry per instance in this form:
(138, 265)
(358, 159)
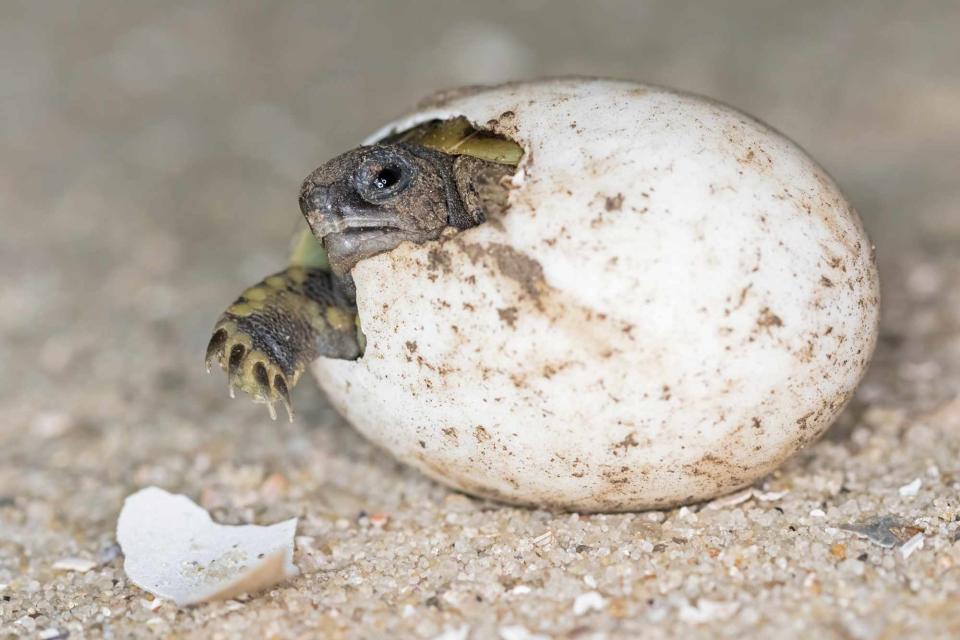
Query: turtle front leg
(266, 339)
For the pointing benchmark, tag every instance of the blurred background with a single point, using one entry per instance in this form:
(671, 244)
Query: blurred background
(150, 156)
(150, 153)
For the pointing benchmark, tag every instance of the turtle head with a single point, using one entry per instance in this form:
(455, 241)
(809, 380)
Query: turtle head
(372, 198)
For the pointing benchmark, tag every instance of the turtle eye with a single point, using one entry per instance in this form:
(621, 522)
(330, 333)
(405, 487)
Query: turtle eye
(386, 178)
(380, 179)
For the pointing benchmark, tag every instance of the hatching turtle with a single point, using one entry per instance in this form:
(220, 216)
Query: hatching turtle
(408, 187)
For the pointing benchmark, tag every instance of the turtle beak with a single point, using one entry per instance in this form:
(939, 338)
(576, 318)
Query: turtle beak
(317, 207)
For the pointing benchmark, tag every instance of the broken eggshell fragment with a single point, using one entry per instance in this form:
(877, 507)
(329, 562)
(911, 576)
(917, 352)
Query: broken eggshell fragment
(174, 550)
(676, 300)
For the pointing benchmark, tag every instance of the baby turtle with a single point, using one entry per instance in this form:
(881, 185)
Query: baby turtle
(408, 187)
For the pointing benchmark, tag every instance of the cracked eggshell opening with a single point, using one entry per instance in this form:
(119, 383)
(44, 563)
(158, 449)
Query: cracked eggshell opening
(677, 299)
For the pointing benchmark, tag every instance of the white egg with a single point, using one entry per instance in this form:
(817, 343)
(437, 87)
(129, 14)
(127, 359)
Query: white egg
(676, 301)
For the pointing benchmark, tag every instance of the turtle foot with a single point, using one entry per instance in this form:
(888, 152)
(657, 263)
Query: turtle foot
(249, 369)
(268, 336)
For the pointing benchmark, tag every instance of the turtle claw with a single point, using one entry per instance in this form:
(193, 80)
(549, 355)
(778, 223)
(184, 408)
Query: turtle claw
(236, 359)
(263, 387)
(248, 369)
(215, 347)
(280, 386)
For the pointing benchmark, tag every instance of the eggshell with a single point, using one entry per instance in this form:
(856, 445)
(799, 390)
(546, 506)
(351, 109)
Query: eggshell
(677, 299)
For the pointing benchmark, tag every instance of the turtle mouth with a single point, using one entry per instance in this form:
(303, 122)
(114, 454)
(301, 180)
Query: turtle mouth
(351, 231)
(348, 247)
(326, 213)
(333, 228)
(360, 231)
(328, 222)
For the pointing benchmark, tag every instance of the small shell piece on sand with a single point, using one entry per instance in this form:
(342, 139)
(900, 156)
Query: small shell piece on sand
(80, 565)
(886, 531)
(911, 489)
(174, 550)
(911, 545)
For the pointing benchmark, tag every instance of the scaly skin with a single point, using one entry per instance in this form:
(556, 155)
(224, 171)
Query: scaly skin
(266, 339)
